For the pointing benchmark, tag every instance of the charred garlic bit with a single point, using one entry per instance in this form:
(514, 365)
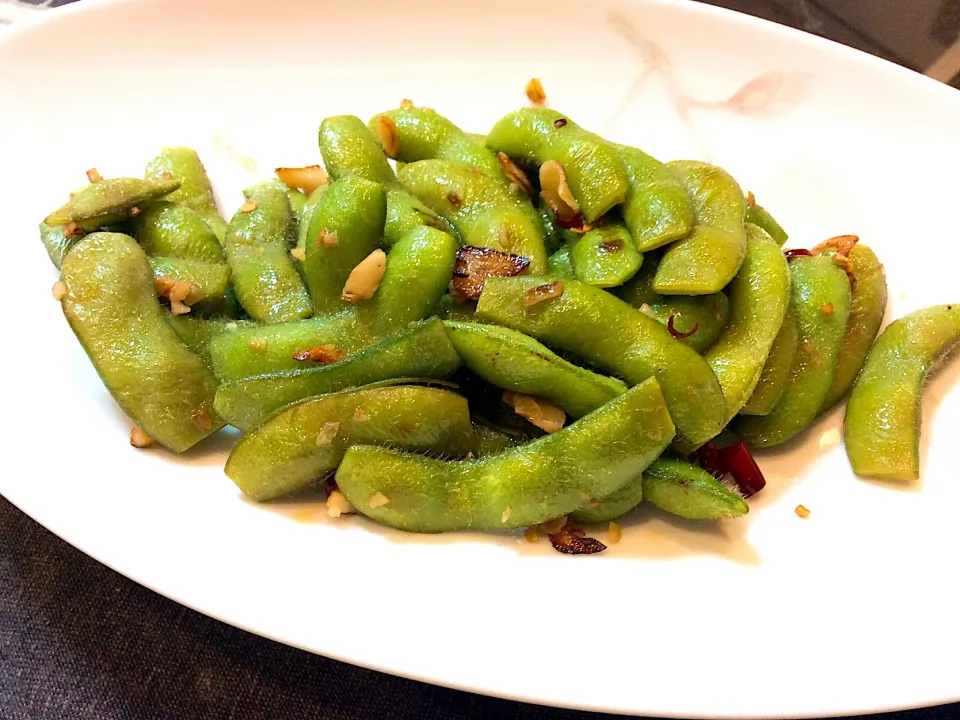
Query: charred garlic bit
(474, 265)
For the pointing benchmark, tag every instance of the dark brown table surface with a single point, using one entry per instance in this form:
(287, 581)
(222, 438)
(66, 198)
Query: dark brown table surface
(78, 640)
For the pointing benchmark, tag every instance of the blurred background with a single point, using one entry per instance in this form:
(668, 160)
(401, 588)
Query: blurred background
(923, 35)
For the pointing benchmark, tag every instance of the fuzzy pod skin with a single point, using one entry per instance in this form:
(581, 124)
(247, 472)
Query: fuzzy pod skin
(881, 429)
(522, 486)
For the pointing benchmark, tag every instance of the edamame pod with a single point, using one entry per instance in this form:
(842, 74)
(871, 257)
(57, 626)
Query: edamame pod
(759, 296)
(514, 361)
(349, 148)
(593, 167)
(112, 308)
(298, 201)
(183, 164)
(614, 505)
(109, 202)
(697, 320)
(424, 134)
(657, 210)
(484, 211)
(605, 257)
(169, 230)
(881, 429)
(820, 298)
(527, 485)
(709, 257)
(764, 220)
(560, 264)
(418, 271)
(306, 441)
(209, 280)
(680, 488)
(56, 243)
(615, 337)
(197, 332)
(306, 215)
(868, 283)
(346, 227)
(491, 441)
(422, 350)
(776, 371)
(257, 243)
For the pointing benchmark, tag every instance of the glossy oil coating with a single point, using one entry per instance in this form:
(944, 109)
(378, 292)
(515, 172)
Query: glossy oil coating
(522, 486)
(882, 425)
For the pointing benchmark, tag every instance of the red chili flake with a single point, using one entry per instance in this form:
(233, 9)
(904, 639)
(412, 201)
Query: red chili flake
(708, 457)
(454, 199)
(574, 223)
(734, 460)
(797, 252)
(572, 542)
(676, 333)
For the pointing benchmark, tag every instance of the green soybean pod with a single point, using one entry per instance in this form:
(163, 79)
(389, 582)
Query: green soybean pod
(183, 164)
(197, 332)
(484, 211)
(764, 220)
(881, 429)
(697, 320)
(617, 503)
(298, 201)
(112, 308)
(307, 440)
(349, 148)
(759, 296)
(682, 489)
(615, 337)
(209, 280)
(419, 270)
(109, 202)
(450, 309)
(821, 302)
(306, 215)
(593, 167)
(347, 226)
(605, 257)
(657, 210)
(776, 371)
(554, 237)
(424, 134)
(868, 282)
(514, 361)
(709, 257)
(422, 350)
(257, 243)
(526, 485)
(56, 243)
(490, 441)
(166, 229)
(560, 264)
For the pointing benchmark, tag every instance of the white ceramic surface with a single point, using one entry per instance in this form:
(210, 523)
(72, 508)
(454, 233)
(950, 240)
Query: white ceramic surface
(853, 609)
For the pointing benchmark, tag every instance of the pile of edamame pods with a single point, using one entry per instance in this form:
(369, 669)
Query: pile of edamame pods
(504, 331)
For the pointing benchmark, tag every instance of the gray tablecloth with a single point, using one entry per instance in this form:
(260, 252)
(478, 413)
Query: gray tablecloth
(79, 641)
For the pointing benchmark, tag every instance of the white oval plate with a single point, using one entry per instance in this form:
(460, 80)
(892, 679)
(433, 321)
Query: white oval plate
(851, 610)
